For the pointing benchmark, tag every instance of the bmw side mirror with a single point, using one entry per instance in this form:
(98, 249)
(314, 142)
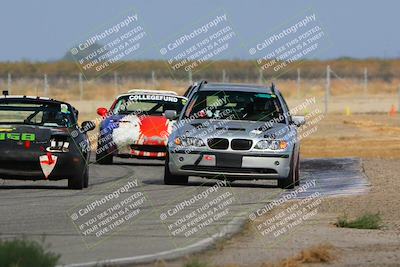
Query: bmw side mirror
(298, 120)
(87, 126)
(170, 114)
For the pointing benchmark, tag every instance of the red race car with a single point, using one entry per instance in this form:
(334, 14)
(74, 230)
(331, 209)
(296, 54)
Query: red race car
(135, 125)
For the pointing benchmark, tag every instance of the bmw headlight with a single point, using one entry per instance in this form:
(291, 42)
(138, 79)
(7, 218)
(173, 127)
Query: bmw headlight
(263, 144)
(271, 145)
(189, 141)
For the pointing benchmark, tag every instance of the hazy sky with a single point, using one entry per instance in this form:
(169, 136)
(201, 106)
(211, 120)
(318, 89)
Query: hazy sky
(46, 29)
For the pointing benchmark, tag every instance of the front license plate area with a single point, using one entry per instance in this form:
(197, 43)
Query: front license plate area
(229, 160)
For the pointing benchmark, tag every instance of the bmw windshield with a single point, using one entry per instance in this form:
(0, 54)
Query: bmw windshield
(234, 105)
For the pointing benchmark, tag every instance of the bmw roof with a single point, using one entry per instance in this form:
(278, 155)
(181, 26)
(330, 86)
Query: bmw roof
(236, 87)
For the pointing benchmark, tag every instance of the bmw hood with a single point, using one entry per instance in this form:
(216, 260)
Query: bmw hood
(234, 129)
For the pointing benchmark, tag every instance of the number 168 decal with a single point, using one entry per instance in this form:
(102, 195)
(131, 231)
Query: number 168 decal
(18, 136)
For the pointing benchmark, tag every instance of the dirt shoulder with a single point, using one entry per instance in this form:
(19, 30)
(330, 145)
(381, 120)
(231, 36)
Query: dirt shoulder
(375, 139)
(351, 247)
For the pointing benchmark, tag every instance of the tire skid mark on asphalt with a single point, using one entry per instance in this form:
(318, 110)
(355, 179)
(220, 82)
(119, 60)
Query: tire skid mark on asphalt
(334, 177)
(108, 180)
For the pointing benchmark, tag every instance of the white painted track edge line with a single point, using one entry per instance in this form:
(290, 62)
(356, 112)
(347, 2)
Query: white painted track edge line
(233, 227)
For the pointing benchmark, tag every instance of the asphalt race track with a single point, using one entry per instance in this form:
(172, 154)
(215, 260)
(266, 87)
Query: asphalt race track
(152, 225)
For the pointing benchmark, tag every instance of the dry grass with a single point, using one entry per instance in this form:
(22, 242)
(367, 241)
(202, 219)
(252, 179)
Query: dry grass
(68, 90)
(316, 254)
(230, 265)
(92, 90)
(160, 263)
(365, 136)
(378, 127)
(323, 253)
(195, 262)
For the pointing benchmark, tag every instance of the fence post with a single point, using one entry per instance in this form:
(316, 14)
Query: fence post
(298, 82)
(365, 80)
(116, 82)
(190, 77)
(223, 75)
(260, 77)
(153, 78)
(80, 87)
(9, 83)
(46, 86)
(398, 100)
(327, 87)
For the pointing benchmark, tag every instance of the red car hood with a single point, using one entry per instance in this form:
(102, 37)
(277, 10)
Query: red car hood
(154, 129)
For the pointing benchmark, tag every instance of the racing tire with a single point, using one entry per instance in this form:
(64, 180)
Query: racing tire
(297, 172)
(77, 181)
(170, 179)
(104, 158)
(288, 182)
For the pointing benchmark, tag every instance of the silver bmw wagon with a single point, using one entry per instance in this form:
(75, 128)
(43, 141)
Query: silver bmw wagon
(234, 132)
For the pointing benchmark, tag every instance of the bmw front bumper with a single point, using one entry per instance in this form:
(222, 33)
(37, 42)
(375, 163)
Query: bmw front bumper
(218, 165)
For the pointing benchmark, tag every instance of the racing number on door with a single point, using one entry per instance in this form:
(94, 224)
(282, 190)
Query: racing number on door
(13, 136)
(28, 137)
(17, 136)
